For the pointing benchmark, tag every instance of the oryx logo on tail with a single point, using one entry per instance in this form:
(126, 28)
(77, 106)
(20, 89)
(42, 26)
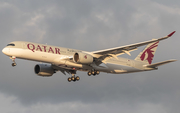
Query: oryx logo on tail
(150, 53)
(147, 54)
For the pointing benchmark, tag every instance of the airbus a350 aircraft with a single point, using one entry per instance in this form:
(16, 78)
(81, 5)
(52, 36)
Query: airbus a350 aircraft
(70, 60)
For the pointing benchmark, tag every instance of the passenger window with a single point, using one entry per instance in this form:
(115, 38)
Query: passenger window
(11, 45)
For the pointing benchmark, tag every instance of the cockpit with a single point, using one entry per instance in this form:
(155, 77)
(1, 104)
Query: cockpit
(11, 44)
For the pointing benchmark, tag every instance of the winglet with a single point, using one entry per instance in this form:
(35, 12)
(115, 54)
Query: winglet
(171, 34)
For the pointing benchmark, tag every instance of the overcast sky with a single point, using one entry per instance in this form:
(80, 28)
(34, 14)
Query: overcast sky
(90, 25)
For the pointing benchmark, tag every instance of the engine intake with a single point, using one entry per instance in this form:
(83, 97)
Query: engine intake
(83, 58)
(44, 70)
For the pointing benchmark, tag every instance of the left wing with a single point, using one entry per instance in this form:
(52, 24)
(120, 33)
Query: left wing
(114, 52)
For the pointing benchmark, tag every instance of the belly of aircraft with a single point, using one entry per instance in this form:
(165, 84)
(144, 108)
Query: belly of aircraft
(116, 68)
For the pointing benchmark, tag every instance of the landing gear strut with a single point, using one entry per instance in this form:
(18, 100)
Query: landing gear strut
(13, 59)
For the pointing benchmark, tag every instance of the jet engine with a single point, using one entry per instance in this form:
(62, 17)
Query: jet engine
(44, 70)
(82, 58)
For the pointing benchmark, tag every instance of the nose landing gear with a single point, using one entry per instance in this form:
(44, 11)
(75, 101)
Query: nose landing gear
(13, 59)
(13, 64)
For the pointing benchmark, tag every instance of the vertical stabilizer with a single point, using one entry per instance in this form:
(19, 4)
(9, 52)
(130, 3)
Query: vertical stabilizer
(147, 54)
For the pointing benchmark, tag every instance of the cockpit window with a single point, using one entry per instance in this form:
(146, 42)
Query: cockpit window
(11, 44)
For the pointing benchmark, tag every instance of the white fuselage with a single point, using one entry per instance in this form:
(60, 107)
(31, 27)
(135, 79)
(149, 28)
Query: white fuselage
(58, 56)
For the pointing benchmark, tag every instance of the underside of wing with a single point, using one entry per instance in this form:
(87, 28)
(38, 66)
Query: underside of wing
(64, 70)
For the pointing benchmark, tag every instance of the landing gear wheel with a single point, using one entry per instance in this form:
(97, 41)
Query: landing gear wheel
(97, 72)
(89, 73)
(73, 78)
(13, 64)
(77, 78)
(69, 79)
(93, 73)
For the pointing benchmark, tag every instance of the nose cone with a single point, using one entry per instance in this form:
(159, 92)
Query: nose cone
(5, 51)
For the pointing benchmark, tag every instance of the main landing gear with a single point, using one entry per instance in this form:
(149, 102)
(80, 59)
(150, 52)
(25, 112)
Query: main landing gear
(93, 72)
(73, 78)
(13, 59)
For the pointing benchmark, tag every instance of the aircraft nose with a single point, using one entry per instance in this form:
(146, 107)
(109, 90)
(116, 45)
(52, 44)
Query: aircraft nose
(5, 50)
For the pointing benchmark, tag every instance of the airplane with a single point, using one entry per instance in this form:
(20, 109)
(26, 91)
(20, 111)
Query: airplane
(70, 61)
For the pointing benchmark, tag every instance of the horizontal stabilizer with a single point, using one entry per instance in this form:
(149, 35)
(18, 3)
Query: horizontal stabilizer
(159, 63)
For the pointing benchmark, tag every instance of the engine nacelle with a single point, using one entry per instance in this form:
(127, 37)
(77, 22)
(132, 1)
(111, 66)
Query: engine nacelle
(83, 58)
(44, 70)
